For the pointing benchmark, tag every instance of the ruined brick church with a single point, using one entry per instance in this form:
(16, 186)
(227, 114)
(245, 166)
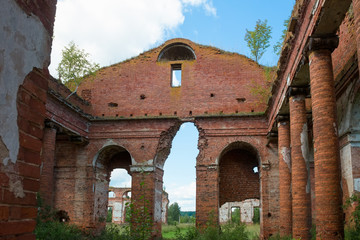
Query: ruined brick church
(304, 140)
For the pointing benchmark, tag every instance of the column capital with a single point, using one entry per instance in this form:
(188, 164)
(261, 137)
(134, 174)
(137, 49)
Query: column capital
(282, 118)
(272, 135)
(296, 91)
(52, 125)
(316, 43)
(142, 168)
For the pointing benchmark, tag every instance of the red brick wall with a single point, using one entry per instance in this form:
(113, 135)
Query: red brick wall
(238, 181)
(228, 76)
(216, 136)
(48, 163)
(347, 45)
(20, 181)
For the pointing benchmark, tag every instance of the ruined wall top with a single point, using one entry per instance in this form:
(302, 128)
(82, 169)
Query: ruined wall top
(213, 82)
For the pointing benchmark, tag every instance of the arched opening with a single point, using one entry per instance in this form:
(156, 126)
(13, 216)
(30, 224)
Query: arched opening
(179, 172)
(177, 51)
(112, 181)
(239, 183)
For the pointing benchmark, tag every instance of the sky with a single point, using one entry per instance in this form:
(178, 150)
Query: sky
(112, 31)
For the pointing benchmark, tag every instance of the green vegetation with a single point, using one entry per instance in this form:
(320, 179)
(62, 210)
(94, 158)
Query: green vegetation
(259, 39)
(279, 44)
(109, 215)
(352, 232)
(235, 215)
(256, 217)
(74, 65)
(171, 231)
(139, 215)
(229, 231)
(277, 237)
(174, 214)
(262, 91)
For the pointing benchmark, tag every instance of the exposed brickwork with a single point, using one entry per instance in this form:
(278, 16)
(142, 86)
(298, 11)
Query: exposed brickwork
(20, 180)
(220, 135)
(329, 221)
(344, 53)
(356, 9)
(213, 86)
(207, 197)
(48, 164)
(118, 201)
(143, 188)
(201, 93)
(237, 180)
(285, 178)
(301, 218)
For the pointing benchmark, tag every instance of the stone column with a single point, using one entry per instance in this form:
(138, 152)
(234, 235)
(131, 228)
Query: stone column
(48, 163)
(328, 195)
(301, 213)
(144, 196)
(356, 9)
(285, 176)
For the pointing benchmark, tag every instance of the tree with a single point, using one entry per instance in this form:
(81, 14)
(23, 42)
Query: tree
(258, 40)
(173, 213)
(279, 44)
(74, 66)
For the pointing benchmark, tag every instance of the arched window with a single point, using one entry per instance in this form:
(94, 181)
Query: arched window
(176, 52)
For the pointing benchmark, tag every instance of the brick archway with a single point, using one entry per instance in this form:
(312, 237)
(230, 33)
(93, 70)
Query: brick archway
(238, 179)
(106, 160)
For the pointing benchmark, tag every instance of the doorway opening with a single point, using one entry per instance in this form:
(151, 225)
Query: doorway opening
(113, 180)
(239, 183)
(180, 174)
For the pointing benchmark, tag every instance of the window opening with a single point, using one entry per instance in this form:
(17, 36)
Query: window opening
(235, 214)
(176, 75)
(112, 194)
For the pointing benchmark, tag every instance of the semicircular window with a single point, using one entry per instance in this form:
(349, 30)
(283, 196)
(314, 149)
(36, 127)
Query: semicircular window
(176, 52)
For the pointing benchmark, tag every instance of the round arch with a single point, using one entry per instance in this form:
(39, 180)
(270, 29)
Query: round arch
(106, 159)
(239, 181)
(176, 51)
(111, 157)
(240, 145)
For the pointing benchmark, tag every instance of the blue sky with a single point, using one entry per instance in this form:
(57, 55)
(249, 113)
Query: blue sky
(115, 30)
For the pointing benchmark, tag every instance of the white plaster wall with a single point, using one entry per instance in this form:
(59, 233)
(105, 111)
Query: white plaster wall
(25, 44)
(246, 210)
(117, 211)
(158, 202)
(343, 110)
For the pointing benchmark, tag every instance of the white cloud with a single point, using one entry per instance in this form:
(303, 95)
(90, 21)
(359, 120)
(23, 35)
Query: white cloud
(114, 30)
(210, 9)
(206, 4)
(120, 178)
(184, 195)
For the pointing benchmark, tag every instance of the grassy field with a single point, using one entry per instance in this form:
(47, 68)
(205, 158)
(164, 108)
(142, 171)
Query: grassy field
(253, 230)
(169, 232)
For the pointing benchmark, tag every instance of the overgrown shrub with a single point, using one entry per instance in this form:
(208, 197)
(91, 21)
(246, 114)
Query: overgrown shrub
(109, 215)
(278, 237)
(50, 230)
(353, 231)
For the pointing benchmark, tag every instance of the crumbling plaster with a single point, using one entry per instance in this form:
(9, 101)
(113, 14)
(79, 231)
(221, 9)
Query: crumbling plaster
(246, 210)
(25, 44)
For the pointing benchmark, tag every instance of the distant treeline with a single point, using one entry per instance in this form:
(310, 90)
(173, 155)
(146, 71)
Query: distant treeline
(187, 213)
